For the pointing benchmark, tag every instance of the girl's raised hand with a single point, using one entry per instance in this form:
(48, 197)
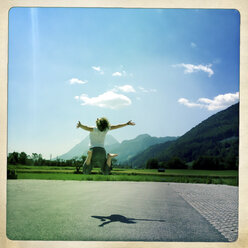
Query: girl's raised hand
(78, 124)
(130, 123)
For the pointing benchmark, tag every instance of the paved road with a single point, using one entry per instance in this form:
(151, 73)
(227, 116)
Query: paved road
(119, 211)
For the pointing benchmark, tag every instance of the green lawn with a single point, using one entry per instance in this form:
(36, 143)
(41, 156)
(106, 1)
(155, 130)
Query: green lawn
(143, 178)
(178, 172)
(116, 171)
(184, 176)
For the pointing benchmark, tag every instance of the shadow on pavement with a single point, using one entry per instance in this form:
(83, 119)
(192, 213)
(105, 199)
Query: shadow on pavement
(119, 218)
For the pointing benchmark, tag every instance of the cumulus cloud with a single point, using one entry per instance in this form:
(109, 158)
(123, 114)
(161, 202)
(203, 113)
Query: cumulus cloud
(109, 99)
(98, 69)
(77, 81)
(187, 103)
(125, 88)
(220, 101)
(189, 68)
(217, 103)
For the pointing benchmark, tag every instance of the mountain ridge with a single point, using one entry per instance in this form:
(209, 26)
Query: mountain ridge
(125, 149)
(129, 148)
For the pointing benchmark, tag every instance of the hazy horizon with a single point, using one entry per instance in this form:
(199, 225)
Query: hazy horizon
(165, 69)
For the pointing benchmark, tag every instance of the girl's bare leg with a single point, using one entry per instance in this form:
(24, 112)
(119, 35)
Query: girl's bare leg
(109, 158)
(88, 159)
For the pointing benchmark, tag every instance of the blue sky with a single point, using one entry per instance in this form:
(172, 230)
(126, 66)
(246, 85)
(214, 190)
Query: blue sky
(165, 69)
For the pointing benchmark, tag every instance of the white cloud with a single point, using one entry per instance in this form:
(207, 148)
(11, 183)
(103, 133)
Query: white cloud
(119, 74)
(189, 68)
(77, 81)
(125, 88)
(108, 99)
(98, 69)
(187, 103)
(219, 102)
(147, 90)
(193, 45)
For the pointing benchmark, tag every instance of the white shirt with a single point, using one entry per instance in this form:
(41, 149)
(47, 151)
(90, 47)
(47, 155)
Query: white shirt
(97, 137)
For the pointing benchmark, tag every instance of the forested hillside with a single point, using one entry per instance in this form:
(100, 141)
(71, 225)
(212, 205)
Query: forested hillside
(216, 137)
(129, 148)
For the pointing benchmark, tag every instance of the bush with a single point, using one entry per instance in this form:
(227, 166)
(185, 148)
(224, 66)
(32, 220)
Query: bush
(78, 171)
(11, 174)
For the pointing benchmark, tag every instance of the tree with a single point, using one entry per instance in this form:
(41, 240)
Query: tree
(114, 162)
(13, 158)
(152, 163)
(207, 163)
(78, 163)
(37, 158)
(231, 162)
(176, 163)
(23, 158)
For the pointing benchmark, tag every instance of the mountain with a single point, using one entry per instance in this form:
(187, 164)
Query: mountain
(216, 136)
(125, 150)
(82, 148)
(129, 148)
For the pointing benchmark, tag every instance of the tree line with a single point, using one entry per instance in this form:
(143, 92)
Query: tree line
(202, 163)
(36, 159)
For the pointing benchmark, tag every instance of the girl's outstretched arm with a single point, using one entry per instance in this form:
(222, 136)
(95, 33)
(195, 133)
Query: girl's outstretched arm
(84, 127)
(129, 123)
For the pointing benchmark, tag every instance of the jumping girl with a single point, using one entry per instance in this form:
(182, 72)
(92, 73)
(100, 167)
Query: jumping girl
(97, 153)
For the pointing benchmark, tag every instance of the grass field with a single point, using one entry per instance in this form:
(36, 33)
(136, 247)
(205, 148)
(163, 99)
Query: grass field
(117, 174)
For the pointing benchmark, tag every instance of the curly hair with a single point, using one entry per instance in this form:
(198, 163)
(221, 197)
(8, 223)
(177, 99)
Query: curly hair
(102, 124)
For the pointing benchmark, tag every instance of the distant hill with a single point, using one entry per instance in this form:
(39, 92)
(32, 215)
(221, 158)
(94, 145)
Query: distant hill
(125, 150)
(129, 148)
(216, 136)
(82, 148)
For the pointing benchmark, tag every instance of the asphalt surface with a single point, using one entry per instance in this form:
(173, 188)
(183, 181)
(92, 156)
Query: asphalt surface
(114, 211)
